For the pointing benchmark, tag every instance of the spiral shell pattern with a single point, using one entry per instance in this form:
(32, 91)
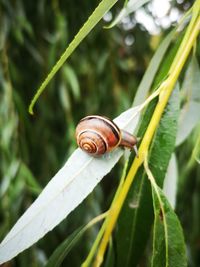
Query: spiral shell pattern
(92, 143)
(97, 135)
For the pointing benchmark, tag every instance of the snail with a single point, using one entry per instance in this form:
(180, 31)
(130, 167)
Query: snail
(97, 135)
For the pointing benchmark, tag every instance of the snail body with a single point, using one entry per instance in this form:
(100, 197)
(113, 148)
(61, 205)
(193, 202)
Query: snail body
(97, 135)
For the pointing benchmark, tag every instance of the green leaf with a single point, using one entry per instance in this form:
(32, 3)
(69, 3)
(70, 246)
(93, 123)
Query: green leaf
(189, 116)
(70, 77)
(188, 120)
(147, 80)
(129, 8)
(65, 247)
(31, 181)
(168, 241)
(64, 96)
(136, 217)
(96, 16)
(171, 180)
(10, 174)
(190, 87)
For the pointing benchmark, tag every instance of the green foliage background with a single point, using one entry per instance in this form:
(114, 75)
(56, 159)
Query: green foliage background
(101, 77)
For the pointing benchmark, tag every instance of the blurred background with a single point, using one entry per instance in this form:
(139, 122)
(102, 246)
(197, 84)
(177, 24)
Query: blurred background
(101, 77)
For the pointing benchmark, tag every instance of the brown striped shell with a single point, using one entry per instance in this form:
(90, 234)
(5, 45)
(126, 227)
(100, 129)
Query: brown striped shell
(97, 135)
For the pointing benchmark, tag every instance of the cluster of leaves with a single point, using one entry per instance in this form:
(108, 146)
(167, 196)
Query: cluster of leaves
(99, 74)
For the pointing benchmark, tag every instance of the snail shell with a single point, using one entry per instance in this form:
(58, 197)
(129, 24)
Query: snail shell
(97, 135)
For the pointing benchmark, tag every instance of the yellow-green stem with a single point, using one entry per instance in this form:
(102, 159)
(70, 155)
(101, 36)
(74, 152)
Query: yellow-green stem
(91, 254)
(177, 65)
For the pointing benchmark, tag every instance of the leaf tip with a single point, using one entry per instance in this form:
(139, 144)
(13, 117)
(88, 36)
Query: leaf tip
(30, 110)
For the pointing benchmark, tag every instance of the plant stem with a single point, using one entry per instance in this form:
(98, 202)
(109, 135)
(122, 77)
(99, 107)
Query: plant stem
(91, 254)
(167, 88)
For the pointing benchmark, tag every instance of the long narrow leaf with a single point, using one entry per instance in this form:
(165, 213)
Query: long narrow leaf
(189, 116)
(96, 16)
(171, 180)
(66, 246)
(168, 240)
(73, 182)
(147, 80)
